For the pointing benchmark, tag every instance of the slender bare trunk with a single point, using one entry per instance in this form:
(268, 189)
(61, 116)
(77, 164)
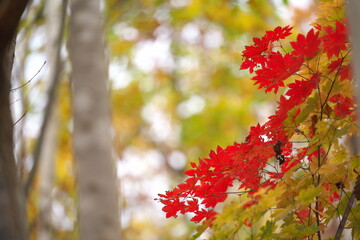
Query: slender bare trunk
(55, 15)
(54, 79)
(12, 218)
(46, 179)
(353, 14)
(98, 211)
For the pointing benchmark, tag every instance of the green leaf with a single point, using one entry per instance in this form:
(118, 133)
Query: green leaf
(267, 230)
(307, 196)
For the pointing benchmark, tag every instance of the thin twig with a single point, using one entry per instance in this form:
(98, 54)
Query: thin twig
(17, 88)
(21, 117)
(15, 101)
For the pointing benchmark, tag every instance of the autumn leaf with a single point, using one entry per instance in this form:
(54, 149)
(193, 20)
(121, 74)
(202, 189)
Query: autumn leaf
(308, 46)
(335, 40)
(256, 54)
(269, 156)
(343, 105)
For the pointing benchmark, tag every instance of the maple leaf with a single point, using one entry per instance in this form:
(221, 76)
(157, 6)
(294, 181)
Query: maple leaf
(344, 71)
(308, 46)
(192, 205)
(279, 67)
(172, 205)
(302, 214)
(335, 65)
(207, 214)
(279, 33)
(300, 90)
(335, 40)
(249, 162)
(257, 54)
(344, 105)
(275, 122)
(208, 180)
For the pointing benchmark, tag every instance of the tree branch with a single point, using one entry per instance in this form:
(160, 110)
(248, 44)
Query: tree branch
(52, 92)
(345, 217)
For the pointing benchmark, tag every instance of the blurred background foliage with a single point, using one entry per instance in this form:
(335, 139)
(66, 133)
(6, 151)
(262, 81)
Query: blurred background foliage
(177, 93)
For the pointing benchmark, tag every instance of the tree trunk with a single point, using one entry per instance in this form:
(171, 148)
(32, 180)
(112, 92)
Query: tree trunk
(98, 211)
(55, 39)
(353, 14)
(353, 8)
(12, 217)
(55, 16)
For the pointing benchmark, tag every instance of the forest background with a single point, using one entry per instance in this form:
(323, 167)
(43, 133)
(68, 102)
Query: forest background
(176, 93)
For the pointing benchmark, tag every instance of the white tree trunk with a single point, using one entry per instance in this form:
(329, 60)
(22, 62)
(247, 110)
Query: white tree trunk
(353, 14)
(55, 14)
(353, 9)
(46, 178)
(98, 213)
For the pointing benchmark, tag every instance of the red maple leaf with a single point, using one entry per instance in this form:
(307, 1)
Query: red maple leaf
(335, 40)
(344, 71)
(279, 33)
(278, 68)
(302, 214)
(256, 54)
(209, 215)
(248, 162)
(344, 105)
(300, 90)
(307, 46)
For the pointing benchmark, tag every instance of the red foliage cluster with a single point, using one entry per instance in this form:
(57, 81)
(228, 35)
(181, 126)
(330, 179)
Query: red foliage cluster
(344, 105)
(248, 163)
(335, 40)
(257, 54)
